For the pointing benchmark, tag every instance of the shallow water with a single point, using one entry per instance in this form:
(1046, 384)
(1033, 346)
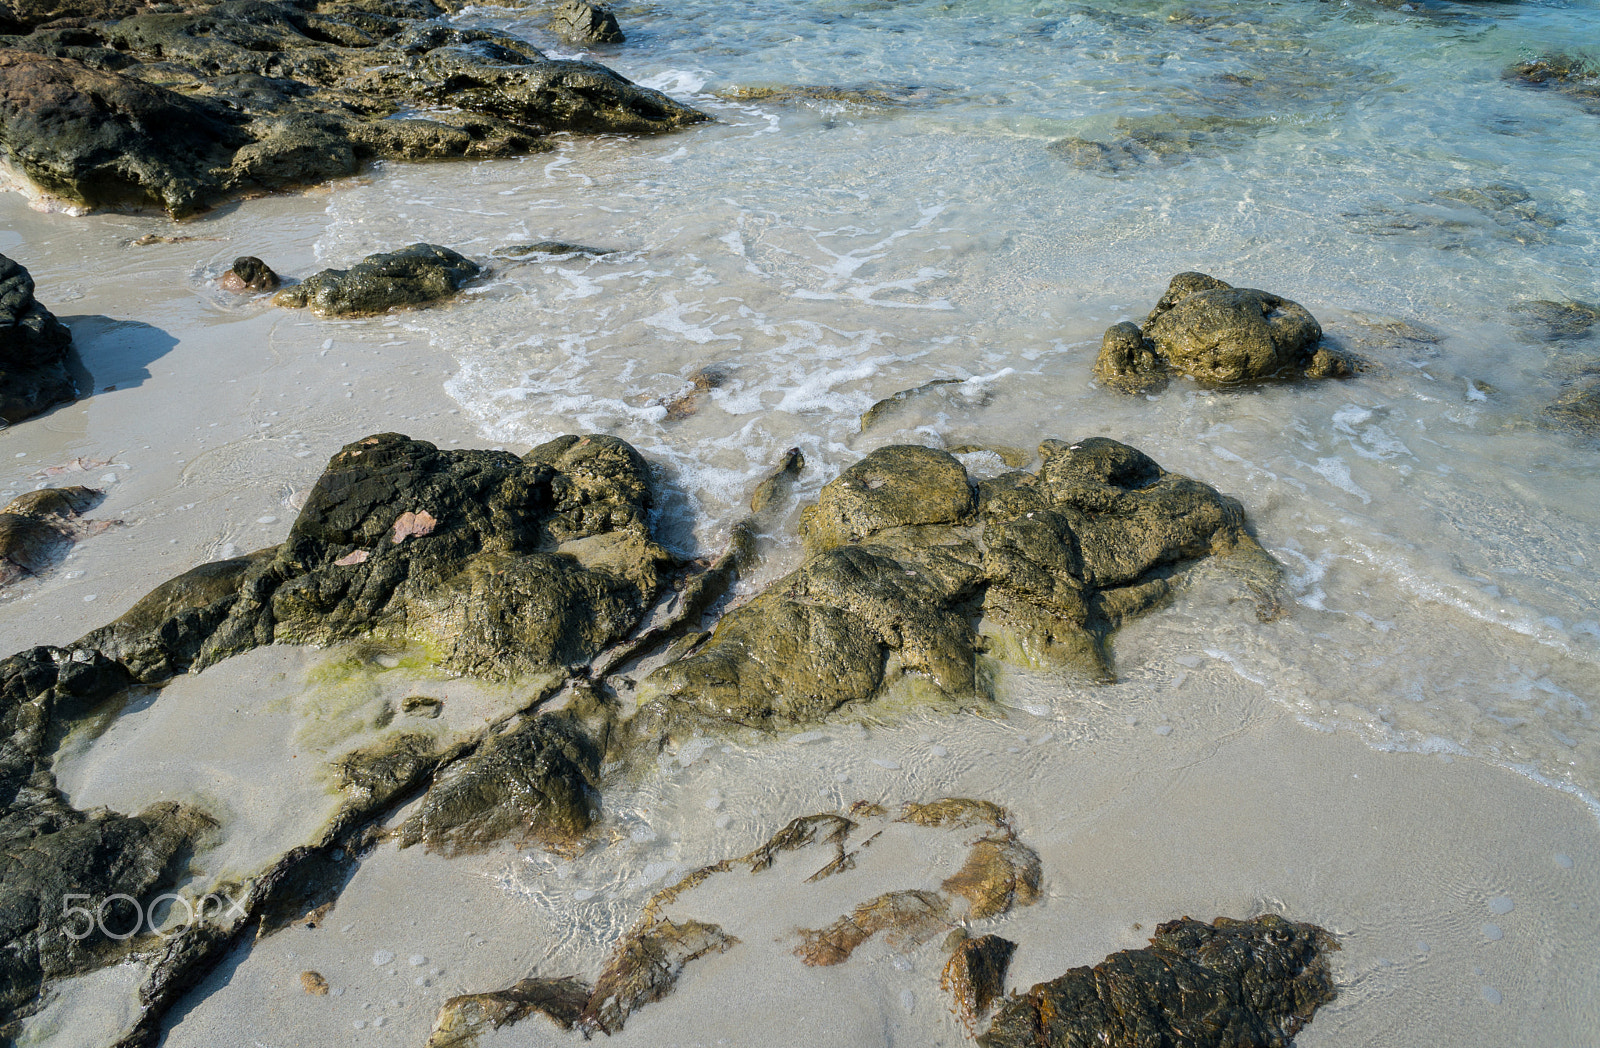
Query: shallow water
(1367, 160)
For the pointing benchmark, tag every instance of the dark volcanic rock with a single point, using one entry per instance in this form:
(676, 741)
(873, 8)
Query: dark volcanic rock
(1218, 334)
(180, 110)
(249, 273)
(580, 22)
(413, 276)
(906, 561)
(33, 347)
(81, 864)
(1229, 984)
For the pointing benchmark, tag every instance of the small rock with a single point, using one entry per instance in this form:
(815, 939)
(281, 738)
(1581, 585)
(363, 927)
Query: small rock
(314, 984)
(250, 274)
(418, 275)
(580, 22)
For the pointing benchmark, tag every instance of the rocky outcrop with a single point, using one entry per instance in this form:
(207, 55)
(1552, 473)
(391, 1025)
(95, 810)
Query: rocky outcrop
(910, 568)
(180, 110)
(1229, 983)
(33, 348)
(1218, 335)
(413, 276)
(580, 22)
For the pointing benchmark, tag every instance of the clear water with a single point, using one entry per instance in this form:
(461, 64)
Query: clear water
(823, 255)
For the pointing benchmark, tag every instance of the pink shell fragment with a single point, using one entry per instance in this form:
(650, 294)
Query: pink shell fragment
(413, 524)
(353, 557)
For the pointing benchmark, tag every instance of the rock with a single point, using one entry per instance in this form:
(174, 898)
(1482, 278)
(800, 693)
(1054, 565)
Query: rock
(1578, 407)
(1575, 76)
(314, 984)
(33, 343)
(37, 527)
(1220, 985)
(24, 16)
(891, 404)
(975, 977)
(413, 276)
(1547, 321)
(775, 485)
(580, 22)
(534, 785)
(907, 917)
(549, 247)
(89, 861)
(463, 1018)
(87, 138)
(183, 109)
(864, 96)
(905, 560)
(1000, 872)
(644, 967)
(701, 381)
(1219, 335)
(249, 273)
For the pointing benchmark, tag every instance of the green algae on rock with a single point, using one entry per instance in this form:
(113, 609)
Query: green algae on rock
(413, 276)
(1228, 984)
(33, 347)
(1219, 335)
(911, 569)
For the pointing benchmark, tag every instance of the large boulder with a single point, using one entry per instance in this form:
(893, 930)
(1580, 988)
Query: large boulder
(33, 347)
(1228, 984)
(1218, 335)
(413, 276)
(912, 569)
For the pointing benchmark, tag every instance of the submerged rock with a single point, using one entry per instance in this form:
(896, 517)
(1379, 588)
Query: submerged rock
(1548, 321)
(464, 1017)
(1227, 984)
(580, 22)
(249, 273)
(1578, 407)
(644, 968)
(33, 343)
(182, 109)
(906, 917)
(418, 275)
(534, 785)
(1219, 335)
(1575, 76)
(912, 570)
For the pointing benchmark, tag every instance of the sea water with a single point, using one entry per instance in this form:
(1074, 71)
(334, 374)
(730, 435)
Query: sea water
(918, 220)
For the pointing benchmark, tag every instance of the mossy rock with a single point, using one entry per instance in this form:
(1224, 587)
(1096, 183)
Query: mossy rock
(1218, 335)
(909, 566)
(413, 276)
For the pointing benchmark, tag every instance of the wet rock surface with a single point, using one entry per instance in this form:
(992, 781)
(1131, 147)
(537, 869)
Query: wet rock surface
(913, 569)
(1219, 335)
(533, 785)
(975, 977)
(580, 22)
(36, 528)
(418, 275)
(180, 110)
(33, 348)
(1575, 76)
(249, 273)
(1228, 983)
